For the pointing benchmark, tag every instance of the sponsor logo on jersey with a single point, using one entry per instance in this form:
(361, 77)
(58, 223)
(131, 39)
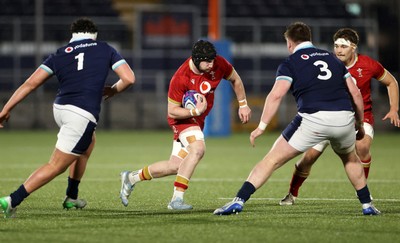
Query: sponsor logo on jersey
(85, 45)
(319, 54)
(205, 87)
(69, 49)
(305, 57)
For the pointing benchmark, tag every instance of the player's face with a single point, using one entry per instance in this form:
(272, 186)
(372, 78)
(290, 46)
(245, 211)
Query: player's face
(344, 53)
(206, 66)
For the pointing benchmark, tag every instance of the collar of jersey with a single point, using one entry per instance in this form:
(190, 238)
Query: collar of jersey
(303, 45)
(83, 36)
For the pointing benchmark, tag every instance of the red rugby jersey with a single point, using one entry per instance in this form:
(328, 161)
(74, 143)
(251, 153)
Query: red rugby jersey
(363, 70)
(185, 79)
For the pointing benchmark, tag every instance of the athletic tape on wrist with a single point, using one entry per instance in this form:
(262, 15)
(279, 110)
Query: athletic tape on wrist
(262, 125)
(195, 112)
(242, 103)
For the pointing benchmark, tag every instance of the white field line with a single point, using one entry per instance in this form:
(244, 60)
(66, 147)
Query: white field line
(314, 199)
(170, 178)
(116, 178)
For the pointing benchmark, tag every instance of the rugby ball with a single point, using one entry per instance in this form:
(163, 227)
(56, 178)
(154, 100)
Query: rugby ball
(189, 99)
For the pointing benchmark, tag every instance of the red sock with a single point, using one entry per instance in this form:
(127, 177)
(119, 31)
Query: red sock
(297, 180)
(366, 164)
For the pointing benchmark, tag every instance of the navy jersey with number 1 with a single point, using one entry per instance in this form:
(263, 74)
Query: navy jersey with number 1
(317, 80)
(81, 68)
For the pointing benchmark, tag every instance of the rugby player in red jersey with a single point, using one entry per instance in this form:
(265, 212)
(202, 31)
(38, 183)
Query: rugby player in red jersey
(202, 72)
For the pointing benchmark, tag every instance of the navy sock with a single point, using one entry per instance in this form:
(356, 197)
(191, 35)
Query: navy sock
(246, 191)
(72, 189)
(18, 196)
(364, 195)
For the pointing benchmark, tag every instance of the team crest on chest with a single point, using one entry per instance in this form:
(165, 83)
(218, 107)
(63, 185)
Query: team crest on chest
(212, 73)
(359, 70)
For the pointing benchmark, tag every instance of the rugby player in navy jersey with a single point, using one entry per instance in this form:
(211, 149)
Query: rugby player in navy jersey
(325, 95)
(363, 69)
(81, 68)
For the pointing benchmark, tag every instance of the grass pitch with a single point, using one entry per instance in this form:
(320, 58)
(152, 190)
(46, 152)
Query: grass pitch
(326, 210)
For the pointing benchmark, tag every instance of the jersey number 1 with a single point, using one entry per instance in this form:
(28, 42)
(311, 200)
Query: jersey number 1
(80, 60)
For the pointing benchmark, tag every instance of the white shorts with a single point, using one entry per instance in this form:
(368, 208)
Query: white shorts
(307, 130)
(76, 128)
(179, 147)
(369, 131)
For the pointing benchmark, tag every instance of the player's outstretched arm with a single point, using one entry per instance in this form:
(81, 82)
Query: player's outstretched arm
(271, 106)
(34, 81)
(393, 93)
(244, 111)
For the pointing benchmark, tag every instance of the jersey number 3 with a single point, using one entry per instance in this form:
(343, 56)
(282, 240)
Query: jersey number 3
(80, 58)
(323, 67)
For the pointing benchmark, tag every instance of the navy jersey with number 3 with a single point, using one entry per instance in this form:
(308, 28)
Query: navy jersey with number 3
(317, 80)
(81, 68)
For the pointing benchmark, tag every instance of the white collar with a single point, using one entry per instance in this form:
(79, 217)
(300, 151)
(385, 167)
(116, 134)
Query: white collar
(303, 45)
(83, 35)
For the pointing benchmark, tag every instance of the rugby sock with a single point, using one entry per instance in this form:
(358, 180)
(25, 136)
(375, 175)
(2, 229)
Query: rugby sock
(18, 196)
(366, 164)
(72, 189)
(364, 195)
(246, 191)
(143, 174)
(181, 184)
(297, 180)
(177, 194)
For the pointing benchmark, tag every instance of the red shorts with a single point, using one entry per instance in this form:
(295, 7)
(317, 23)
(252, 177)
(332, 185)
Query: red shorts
(178, 126)
(369, 117)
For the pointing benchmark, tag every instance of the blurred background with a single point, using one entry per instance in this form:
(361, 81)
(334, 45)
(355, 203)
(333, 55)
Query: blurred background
(155, 37)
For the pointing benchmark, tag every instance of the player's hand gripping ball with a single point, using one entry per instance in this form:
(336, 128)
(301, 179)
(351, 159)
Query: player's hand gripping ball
(189, 99)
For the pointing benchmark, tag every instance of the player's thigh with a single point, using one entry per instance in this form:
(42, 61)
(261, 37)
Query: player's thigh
(281, 152)
(193, 140)
(301, 134)
(343, 139)
(191, 135)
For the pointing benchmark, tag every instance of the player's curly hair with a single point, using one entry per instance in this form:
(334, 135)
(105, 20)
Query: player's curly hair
(203, 51)
(347, 34)
(84, 25)
(298, 32)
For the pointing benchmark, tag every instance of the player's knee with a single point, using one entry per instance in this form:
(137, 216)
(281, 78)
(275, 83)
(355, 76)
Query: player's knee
(362, 151)
(56, 168)
(197, 149)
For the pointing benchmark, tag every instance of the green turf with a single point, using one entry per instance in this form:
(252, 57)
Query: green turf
(326, 211)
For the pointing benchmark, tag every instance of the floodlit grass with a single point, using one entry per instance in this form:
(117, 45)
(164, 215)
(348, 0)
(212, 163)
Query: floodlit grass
(326, 211)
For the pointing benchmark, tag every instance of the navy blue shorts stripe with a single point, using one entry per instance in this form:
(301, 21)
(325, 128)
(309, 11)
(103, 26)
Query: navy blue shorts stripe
(86, 139)
(292, 127)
